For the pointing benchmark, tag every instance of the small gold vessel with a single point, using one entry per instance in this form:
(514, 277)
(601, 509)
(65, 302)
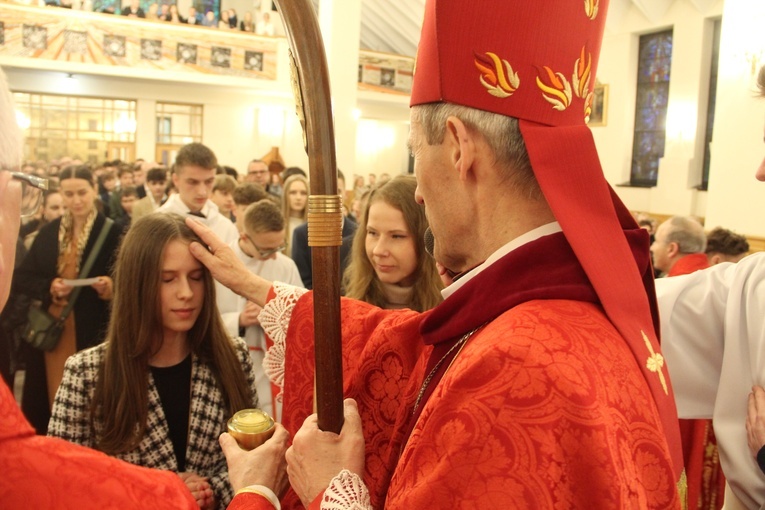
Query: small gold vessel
(251, 428)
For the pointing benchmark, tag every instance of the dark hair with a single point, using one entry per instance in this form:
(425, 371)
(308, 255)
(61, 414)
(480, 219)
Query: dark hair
(248, 193)
(77, 172)
(293, 170)
(231, 171)
(125, 169)
(724, 241)
(195, 154)
(129, 191)
(761, 81)
(156, 174)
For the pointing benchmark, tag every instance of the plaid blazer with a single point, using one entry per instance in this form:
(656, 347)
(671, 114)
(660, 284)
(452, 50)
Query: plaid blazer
(70, 418)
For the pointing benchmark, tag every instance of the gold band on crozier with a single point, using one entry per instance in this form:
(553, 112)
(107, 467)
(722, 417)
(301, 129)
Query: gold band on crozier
(325, 220)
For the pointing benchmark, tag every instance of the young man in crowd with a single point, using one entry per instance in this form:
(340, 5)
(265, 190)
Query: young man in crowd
(223, 188)
(156, 184)
(724, 245)
(193, 177)
(244, 195)
(125, 178)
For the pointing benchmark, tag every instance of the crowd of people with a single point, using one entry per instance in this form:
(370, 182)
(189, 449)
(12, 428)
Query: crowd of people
(512, 360)
(110, 338)
(225, 19)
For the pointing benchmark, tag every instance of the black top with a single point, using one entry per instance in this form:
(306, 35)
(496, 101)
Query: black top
(761, 459)
(174, 388)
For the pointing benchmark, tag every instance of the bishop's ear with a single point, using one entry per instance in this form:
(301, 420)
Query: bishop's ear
(461, 143)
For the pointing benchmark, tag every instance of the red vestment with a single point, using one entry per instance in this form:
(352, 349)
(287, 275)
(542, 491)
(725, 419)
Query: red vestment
(43, 472)
(706, 482)
(689, 264)
(545, 406)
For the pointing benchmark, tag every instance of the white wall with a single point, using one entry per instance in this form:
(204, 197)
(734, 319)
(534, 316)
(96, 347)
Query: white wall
(230, 125)
(680, 169)
(734, 198)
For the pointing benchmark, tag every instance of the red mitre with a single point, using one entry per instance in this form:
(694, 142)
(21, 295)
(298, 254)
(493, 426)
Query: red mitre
(536, 61)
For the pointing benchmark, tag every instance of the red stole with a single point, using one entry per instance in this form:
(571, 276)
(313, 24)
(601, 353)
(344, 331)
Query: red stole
(689, 264)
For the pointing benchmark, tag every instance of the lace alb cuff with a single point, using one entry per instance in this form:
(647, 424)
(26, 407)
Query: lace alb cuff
(346, 491)
(262, 490)
(275, 321)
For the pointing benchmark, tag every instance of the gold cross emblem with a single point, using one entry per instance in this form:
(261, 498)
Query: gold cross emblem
(655, 362)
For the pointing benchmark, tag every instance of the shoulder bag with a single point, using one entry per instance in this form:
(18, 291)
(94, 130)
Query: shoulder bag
(44, 330)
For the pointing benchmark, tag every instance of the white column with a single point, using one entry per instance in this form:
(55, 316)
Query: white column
(340, 22)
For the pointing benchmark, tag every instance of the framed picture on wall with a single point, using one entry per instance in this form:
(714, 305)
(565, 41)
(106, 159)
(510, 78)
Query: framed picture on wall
(599, 114)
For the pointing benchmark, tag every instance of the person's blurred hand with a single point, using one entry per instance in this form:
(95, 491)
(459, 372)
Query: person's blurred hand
(755, 420)
(249, 316)
(200, 489)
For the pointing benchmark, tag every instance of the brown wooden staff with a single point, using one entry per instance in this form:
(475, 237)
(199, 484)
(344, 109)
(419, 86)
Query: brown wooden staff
(310, 83)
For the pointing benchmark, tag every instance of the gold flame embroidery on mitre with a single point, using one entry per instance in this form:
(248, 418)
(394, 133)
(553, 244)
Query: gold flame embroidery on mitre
(557, 90)
(591, 8)
(497, 75)
(582, 73)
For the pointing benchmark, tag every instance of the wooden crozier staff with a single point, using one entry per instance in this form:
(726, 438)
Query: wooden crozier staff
(310, 83)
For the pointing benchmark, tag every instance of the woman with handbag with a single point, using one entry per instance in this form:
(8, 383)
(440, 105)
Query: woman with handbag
(62, 249)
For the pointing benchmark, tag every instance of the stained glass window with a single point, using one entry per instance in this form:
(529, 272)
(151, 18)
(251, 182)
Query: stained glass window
(654, 63)
(711, 102)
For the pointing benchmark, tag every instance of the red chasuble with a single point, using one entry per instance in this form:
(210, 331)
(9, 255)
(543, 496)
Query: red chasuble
(42, 472)
(544, 406)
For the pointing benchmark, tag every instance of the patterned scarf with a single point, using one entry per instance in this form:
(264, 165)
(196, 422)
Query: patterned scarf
(66, 234)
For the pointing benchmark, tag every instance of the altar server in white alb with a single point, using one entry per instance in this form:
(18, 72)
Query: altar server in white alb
(260, 247)
(193, 177)
(713, 338)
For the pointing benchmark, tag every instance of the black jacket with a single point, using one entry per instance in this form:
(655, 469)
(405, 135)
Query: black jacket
(33, 278)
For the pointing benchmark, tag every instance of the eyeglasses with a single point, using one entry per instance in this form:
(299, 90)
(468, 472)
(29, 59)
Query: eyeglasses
(32, 188)
(266, 253)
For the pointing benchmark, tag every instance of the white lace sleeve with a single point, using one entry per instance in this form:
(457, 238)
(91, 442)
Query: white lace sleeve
(275, 320)
(346, 491)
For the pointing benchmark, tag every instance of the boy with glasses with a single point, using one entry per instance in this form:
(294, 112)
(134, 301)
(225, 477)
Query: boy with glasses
(260, 246)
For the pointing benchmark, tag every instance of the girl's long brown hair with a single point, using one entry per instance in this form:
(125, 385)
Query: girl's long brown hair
(120, 401)
(361, 282)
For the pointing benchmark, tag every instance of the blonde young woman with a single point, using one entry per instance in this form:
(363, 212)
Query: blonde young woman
(57, 254)
(247, 24)
(389, 266)
(158, 391)
(294, 206)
